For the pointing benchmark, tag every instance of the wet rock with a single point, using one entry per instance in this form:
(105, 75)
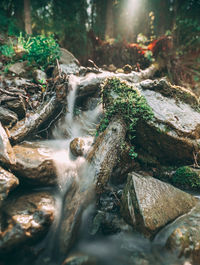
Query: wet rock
(67, 69)
(80, 259)
(40, 77)
(68, 63)
(18, 106)
(34, 164)
(112, 68)
(183, 236)
(7, 117)
(120, 70)
(67, 57)
(28, 218)
(7, 154)
(174, 134)
(80, 147)
(18, 68)
(127, 69)
(149, 204)
(7, 183)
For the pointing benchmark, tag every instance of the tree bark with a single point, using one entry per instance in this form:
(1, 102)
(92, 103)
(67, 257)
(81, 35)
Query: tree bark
(27, 17)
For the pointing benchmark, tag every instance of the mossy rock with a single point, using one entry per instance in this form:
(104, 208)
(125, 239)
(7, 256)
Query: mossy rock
(187, 177)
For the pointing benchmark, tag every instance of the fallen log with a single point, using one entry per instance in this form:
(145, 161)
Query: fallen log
(101, 161)
(32, 121)
(90, 84)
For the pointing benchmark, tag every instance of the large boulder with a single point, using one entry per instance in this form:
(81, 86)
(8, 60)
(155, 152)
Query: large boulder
(174, 134)
(35, 163)
(27, 218)
(7, 183)
(68, 63)
(7, 117)
(149, 204)
(7, 155)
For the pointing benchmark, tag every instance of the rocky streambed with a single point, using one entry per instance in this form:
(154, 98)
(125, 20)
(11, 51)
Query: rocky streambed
(72, 188)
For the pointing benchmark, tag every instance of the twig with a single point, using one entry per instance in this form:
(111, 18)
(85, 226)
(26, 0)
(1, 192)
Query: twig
(195, 155)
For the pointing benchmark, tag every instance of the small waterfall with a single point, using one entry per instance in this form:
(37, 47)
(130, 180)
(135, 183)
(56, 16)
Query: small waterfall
(73, 84)
(69, 168)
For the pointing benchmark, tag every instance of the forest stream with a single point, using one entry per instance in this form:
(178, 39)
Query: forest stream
(93, 174)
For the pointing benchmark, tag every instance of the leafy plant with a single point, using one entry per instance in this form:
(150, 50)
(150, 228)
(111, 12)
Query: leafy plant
(121, 99)
(40, 50)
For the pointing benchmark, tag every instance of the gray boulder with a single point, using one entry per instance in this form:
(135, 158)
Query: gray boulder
(174, 134)
(28, 218)
(149, 204)
(68, 63)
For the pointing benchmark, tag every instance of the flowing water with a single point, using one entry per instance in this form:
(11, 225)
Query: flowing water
(123, 248)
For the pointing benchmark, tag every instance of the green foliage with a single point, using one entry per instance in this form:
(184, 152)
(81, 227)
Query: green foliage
(121, 99)
(7, 50)
(186, 177)
(40, 50)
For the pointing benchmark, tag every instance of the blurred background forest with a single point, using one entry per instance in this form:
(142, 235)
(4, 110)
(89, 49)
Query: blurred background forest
(118, 32)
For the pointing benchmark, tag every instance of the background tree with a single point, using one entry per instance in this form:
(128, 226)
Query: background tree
(27, 17)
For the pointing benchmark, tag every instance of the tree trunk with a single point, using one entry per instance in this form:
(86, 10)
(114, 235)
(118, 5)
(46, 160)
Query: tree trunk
(27, 17)
(109, 32)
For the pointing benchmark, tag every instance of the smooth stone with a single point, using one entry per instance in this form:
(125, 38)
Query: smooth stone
(149, 204)
(40, 77)
(80, 146)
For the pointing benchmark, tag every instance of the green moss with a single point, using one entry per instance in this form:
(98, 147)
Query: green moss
(186, 177)
(121, 99)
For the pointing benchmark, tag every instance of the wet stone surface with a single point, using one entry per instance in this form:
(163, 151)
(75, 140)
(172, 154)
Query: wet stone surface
(25, 219)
